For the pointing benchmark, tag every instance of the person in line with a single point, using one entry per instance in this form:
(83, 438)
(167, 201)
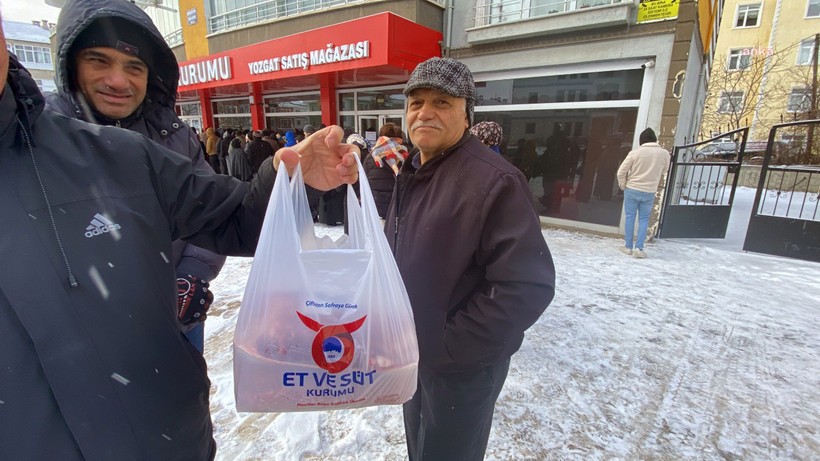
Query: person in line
(258, 150)
(94, 365)
(238, 165)
(467, 240)
(268, 137)
(384, 163)
(490, 134)
(223, 145)
(114, 68)
(290, 138)
(639, 176)
(212, 138)
(198, 136)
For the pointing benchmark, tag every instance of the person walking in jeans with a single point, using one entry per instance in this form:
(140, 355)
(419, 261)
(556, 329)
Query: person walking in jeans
(639, 176)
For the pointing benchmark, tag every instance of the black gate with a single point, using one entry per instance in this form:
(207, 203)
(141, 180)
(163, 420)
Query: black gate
(785, 218)
(701, 187)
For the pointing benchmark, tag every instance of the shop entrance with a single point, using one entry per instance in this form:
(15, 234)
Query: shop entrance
(368, 125)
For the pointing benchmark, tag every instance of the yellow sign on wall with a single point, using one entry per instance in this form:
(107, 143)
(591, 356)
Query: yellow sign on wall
(657, 10)
(194, 28)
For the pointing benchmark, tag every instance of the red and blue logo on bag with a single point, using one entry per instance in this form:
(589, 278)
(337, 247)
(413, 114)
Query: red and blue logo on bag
(333, 345)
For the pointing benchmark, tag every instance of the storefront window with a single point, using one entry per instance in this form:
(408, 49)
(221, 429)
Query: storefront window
(235, 122)
(365, 110)
(293, 123)
(594, 86)
(348, 122)
(189, 109)
(347, 101)
(380, 100)
(570, 158)
(288, 104)
(232, 106)
(293, 111)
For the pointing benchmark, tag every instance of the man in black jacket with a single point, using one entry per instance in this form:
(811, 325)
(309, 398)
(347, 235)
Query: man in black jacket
(258, 150)
(92, 360)
(467, 240)
(114, 68)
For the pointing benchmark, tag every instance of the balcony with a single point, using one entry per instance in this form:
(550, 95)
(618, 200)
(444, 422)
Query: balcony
(511, 19)
(268, 10)
(174, 38)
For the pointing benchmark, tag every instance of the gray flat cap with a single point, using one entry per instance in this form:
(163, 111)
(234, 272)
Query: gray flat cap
(446, 75)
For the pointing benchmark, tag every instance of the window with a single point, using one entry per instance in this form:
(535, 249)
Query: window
(748, 15)
(813, 10)
(598, 86)
(799, 100)
(189, 108)
(32, 54)
(730, 102)
(805, 52)
(739, 59)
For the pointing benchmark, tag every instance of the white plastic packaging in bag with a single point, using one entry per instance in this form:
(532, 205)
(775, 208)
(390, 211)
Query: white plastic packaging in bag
(323, 324)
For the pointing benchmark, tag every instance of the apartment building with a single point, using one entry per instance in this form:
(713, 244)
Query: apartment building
(30, 43)
(765, 61)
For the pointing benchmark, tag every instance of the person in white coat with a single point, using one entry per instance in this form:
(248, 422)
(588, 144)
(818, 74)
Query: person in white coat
(639, 176)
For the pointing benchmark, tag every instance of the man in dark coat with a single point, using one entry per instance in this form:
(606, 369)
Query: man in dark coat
(467, 240)
(114, 68)
(238, 164)
(258, 150)
(223, 149)
(93, 364)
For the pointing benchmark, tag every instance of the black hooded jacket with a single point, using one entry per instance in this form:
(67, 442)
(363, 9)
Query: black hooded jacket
(155, 119)
(99, 370)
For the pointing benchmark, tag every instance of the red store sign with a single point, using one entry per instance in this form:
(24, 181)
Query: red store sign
(383, 39)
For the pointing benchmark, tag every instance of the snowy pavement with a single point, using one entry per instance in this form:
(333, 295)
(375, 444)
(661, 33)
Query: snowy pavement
(700, 352)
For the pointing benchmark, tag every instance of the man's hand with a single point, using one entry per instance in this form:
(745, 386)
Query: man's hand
(326, 162)
(193, 299)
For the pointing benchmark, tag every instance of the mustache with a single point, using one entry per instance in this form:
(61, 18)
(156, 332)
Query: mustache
(109, 90)
(425, 124)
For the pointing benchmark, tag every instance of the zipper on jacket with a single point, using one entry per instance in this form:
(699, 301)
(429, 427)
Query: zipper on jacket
(72, 281)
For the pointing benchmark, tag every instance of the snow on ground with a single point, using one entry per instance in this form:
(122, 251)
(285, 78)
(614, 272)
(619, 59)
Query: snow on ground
(700, 352)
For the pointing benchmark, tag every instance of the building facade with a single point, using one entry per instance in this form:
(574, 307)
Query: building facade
(30, 43)
(765, 67)
(573, 83)
(285, 64)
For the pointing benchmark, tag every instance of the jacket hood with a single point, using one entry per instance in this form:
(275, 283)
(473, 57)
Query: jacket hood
(77, 15)
(30, 101)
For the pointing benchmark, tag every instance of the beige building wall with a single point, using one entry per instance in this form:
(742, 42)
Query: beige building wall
(773, 71)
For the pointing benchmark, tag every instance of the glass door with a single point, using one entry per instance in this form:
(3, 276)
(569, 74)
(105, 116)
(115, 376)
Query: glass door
(369, 125)
(397, 120)
(369, 128)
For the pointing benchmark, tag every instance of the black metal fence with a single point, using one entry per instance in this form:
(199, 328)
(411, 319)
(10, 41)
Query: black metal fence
(785, 217)
(701, 186)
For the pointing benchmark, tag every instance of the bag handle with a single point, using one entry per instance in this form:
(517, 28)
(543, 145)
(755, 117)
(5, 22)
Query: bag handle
(363, 218)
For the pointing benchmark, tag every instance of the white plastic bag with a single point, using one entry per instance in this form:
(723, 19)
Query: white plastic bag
(323, 324)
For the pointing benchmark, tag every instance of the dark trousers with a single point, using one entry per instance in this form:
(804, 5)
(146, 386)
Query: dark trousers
(213, 160)
(450, 416)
